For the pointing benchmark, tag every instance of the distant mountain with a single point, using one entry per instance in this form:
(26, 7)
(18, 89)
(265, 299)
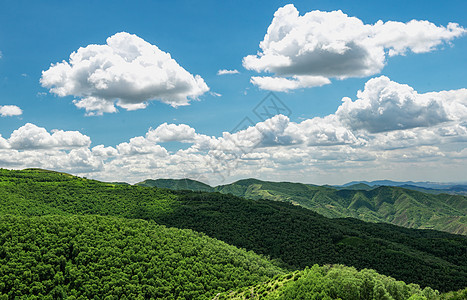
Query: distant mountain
(389, 204)
(177, 184)
(355, 187)
(452, 190)
(425, 186)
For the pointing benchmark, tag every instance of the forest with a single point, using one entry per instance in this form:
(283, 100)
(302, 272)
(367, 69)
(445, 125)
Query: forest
(65, 237)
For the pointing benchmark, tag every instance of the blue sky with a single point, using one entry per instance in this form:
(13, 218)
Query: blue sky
(204, 37)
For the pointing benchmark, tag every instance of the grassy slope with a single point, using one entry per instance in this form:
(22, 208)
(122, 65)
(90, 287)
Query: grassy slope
(297, 236)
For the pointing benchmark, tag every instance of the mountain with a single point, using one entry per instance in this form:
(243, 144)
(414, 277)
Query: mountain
(453, 190)
(425, 186)
(357, 186)
(177, 184)
(292, 236)
(389, 204)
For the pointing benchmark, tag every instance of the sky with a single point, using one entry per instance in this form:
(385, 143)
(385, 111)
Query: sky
(322, 92)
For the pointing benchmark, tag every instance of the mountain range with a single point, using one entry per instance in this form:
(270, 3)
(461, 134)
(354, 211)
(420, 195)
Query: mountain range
(453, 188)
(390, 204)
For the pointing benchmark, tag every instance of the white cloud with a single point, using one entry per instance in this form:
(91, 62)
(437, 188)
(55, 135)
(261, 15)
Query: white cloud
(171, 132)
(95, 106)
(4, 143)
(126, 71)
(334, 45)
(282, 84)
(102, 151)
(227, 72)
(31, 136)
(140, 145)
(10, 110)
(385, 105)
(373, 136)
(327, 131)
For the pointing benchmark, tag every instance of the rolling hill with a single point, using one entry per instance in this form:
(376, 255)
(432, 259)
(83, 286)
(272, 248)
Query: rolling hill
(389, 204)
(96, 257)
(289, 234)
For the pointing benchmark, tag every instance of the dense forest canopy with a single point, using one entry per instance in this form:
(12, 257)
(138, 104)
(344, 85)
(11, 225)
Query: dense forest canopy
(83, 257)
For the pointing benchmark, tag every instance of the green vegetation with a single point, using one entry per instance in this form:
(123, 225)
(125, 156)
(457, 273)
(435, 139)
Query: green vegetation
(457, 295)
(333, 282)
(177, 184)
(399, 206)
(300, 238)
(84, 257)
(293, 237)
(36, 192)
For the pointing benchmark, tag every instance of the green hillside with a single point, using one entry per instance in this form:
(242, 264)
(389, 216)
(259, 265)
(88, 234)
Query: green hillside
(394, 205)
(332, 282)
(299, 237)
(399, 206)
(38, 192)
(95, 257)
(291, 235)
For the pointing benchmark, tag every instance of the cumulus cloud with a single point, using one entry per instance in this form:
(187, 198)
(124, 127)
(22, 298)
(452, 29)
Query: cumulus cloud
(334, 45)
(140, 145)
(31, 136)
(227, 72)
(4, 143)
(102, 151)
(327, 131)
(10, 110)
(282, 84)
(126, 71)
(385, 105)
(390, 129)
(171, 132)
